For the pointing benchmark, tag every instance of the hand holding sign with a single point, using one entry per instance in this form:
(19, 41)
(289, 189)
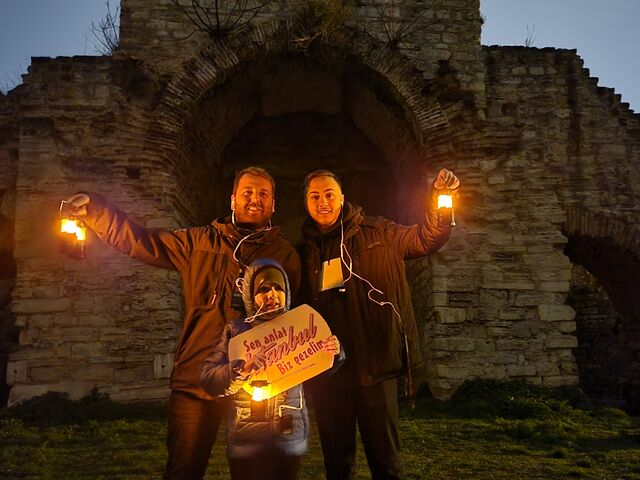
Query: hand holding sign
(253, 363)
(332, 345)
(291, 346)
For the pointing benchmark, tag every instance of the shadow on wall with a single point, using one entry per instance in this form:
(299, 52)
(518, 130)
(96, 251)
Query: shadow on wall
(8, 331)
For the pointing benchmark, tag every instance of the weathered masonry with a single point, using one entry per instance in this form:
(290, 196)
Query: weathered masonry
(539, 280)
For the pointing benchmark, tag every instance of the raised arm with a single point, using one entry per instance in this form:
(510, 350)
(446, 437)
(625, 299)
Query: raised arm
(419, 240)
(158, 247)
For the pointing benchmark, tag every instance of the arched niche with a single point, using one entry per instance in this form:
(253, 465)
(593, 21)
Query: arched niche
(293, 116)
(603, 292)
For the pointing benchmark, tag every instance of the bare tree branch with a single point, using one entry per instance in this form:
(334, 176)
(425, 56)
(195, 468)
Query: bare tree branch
(107, 31)
(408, 22)
(214, 21)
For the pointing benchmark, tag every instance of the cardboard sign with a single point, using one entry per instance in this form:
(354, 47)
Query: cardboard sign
(293, 345)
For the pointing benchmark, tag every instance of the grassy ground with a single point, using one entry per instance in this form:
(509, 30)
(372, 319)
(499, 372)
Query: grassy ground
(489, 431)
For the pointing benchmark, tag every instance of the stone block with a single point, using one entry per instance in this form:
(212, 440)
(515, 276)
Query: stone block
(521, 371)
(95, 373)
(49, 374)
(562, 287)
(162, 365)
(560, 380)
(79, 334)
(446, 371)
(547, 368)
(515, 285)
(17, 372)
(454, 344)
(141, 392)
(556, 313)
(451, 315)
(566, 327)
(20, 393)
(509, 344)
(41, 305)
(87, 349)
(561, 341)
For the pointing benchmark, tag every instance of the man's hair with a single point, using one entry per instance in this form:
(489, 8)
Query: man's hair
(258, 172)
(319, 173)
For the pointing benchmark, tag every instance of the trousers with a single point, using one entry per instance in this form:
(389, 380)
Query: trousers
(191, 433)
(340, 403)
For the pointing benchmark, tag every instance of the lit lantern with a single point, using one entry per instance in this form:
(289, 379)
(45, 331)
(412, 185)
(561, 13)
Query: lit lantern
(445, 209)
(73, 227)
(259, 390)
(258, 405)
(74, 233)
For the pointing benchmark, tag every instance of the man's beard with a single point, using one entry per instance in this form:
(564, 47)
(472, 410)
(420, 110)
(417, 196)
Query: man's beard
(250, 221)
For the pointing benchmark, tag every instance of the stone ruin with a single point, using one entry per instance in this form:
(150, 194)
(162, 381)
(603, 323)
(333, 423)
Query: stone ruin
(538, 281)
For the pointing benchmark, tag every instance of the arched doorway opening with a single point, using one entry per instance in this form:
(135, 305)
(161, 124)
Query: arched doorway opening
(291, 117)
(292, 145)
(603, 292)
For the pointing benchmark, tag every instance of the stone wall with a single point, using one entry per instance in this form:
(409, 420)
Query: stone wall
(546, 157)
(449, 31)
(106, 321)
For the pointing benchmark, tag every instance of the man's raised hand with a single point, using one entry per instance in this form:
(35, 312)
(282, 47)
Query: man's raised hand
(446, 179)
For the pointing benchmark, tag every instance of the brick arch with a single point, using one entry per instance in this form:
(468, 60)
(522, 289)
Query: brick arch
(423, 121)
(218, 60)
(583, 222)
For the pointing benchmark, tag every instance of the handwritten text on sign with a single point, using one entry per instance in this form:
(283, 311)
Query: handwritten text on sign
(293, 346)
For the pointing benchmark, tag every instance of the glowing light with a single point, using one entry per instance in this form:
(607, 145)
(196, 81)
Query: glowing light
(445, 201)
(258, 394)
(72, 227)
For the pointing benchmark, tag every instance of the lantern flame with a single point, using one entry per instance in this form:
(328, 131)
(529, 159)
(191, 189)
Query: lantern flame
(258, 394)
(445, 201)
(72, 227)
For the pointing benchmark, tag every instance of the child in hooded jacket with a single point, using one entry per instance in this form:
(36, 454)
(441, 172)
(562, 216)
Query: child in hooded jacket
(268, 446)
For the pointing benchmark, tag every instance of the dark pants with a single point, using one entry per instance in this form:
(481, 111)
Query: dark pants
(193, 425)
(339, 402)
(267, 467)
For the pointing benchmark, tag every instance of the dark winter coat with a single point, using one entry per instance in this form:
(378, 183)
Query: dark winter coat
(285, 427)
(204, 258)
(373, 335)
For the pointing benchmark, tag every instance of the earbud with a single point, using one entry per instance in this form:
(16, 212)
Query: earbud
(233, 205)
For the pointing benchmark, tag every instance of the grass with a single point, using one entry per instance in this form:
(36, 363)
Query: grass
(489, 430)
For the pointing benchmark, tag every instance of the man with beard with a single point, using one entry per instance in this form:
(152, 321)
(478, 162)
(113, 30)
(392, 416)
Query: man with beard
(209, 259)
(354, 275)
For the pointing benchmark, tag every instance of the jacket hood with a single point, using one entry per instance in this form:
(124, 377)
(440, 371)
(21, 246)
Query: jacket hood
(249, 277)
(351, 214)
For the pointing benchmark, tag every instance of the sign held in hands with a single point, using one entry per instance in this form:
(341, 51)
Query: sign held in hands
(293, 346)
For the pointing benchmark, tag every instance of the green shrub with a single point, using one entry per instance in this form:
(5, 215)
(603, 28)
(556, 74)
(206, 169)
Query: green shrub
(55, 408)
(516, 399)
